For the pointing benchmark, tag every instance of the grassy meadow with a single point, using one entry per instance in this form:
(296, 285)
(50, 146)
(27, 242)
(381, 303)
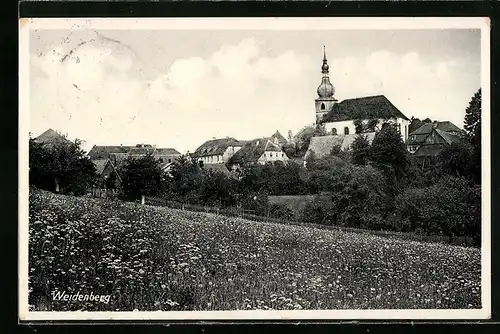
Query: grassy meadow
(153, 258)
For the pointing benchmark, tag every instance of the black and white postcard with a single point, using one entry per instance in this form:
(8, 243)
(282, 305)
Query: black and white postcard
(254, 169)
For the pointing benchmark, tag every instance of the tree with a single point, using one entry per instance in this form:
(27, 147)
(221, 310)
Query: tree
(388, 152)
(141, 177)
(60, 166)
(457, 159)
(360, 150)
(472, 126)
(303, 138)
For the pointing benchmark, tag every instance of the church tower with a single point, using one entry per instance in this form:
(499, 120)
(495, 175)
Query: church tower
(325, 91)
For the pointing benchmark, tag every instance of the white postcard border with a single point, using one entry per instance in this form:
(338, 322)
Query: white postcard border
(25, 25)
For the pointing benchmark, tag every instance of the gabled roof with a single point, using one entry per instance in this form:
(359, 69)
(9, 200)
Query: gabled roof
(445, 126)
(277, 136)
(220, 168)
(370, 107)
(104, 151)
(430, 150)
(447, 130)
(167, 151)
(100, 164)
(450, 138)
(322, 146)
(253, 150)
(216, 146)
(50, 136)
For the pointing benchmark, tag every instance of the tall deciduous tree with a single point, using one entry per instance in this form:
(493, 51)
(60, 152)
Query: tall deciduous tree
(472, 126)
(360, 150)
(60, 166)
(141, 177)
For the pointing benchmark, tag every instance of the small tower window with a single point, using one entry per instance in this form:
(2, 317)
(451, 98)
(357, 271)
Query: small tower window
(346, 130)
(322, 106)
(334, 131)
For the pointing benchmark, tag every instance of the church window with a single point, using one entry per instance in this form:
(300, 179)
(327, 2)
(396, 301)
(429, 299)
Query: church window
(270, 155)
(322, 106)
(334, 131)
(346, 130)
(169, 160)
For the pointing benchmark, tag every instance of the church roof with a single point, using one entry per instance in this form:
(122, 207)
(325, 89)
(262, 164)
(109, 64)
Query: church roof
(370, 107)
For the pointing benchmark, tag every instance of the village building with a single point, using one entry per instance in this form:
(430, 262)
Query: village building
(427, 141)
(217, 151)
(258, 151)
(322, 146)
(108, 176)
(50, 137)
(363, 114)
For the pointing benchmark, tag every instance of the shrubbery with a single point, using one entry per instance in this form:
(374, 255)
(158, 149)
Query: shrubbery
(355, 194)
(451, 207)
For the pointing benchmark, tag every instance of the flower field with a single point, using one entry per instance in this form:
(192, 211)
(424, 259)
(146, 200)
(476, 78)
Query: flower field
(151, 258)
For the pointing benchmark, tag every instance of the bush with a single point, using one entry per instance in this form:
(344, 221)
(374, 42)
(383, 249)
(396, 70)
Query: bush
(355, 194)
(451, 207)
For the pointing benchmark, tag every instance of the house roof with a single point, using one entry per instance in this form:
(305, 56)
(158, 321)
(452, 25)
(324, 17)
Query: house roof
(100, 164)
(449, 137)
(216, 146)
(50, 136)
(323, 145)
(167, 151)
(446, 130)
(279, 138)
(219, 168)
(370, 107)
(253, 150)
(103, 152)
(429, 150)
(445, 126)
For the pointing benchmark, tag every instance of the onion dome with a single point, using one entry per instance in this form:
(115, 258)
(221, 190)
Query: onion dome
(325, 89)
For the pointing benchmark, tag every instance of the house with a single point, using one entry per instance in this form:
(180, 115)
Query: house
(104, 152)
(258, 151)
(217, 151)
(342, 117)
(423, 134)
(426, 142)
(108, 176)
(322, 146)
(50, 137)
(117, 154)
(277, 138)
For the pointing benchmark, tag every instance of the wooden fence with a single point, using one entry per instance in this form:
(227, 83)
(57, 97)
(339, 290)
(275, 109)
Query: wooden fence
(250, 215)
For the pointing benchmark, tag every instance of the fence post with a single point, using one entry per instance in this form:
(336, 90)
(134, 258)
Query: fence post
(143, 200)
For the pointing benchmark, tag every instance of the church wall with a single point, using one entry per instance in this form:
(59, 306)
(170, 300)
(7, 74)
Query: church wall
(340, 125)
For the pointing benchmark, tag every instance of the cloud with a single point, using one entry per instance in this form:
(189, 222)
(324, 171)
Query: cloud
(98, 94)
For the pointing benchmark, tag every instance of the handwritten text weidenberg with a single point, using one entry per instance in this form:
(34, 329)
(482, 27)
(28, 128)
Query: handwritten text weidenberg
(62, 295)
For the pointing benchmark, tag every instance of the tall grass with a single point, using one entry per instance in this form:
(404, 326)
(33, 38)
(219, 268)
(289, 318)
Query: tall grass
(149, 258)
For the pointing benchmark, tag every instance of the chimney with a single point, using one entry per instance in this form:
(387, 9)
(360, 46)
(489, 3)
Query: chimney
(435, 124)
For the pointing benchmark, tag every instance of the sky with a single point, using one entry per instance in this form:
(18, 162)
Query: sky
(180, 88)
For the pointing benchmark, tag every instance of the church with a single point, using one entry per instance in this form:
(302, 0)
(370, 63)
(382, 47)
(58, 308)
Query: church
(351, 116)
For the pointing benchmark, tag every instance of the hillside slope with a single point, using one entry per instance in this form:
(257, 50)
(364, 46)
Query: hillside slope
(151, 258)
